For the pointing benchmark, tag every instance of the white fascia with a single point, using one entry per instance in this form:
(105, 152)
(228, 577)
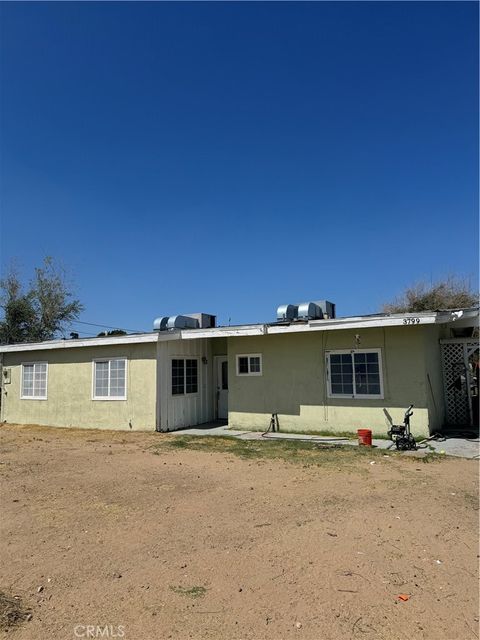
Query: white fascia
(75, 344)
(218, 332)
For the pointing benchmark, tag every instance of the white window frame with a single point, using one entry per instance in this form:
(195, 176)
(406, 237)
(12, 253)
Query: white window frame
(190, 394)
(24, 364)
(355, 396)
(248, 355)
(114, 398)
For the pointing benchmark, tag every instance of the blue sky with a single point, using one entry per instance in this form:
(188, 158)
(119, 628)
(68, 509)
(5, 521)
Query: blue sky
(230, 157)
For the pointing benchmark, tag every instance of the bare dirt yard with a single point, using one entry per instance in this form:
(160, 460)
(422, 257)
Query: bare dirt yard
(152, 537)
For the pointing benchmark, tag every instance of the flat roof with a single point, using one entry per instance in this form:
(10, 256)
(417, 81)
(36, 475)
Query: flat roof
(466, 317)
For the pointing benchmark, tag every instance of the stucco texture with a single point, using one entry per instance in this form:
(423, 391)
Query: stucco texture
(293, 383)
(69, 402)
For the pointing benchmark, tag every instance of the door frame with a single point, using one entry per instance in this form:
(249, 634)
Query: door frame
(216, 383)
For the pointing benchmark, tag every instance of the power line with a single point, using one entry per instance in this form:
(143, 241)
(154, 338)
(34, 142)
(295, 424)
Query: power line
(83, 333)
(105, 326)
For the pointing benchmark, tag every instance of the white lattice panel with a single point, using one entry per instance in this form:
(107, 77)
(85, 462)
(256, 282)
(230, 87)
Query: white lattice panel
(456, 380)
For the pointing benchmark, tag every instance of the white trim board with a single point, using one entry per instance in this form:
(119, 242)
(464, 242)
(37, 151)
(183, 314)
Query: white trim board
(72, 344)
(407, 320)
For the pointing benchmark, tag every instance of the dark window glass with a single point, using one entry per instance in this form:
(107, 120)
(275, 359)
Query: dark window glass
(191, 367)
(255, 364)
(178, 377)
(341, 374)
(342, 389)
(367, 374)
(225, 375)
(243, 365)
(364, 366)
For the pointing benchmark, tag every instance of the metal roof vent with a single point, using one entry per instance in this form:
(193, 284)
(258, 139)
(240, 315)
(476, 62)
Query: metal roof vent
(175, 322)
(187, 321)
(287, 312)
(314, 310)
(160, 324)
(327, 307)
(309, 311)
(182, 322)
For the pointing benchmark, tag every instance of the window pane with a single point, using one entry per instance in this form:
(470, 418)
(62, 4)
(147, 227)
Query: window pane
(341, 374)
(101, 379)
(360, 378)
(27, 385)
(255, 364)
(110, 378)
(117, 378)
(191, 376)
(117, 367)
(41, 367)
(342, 389)
(178, 377)
(243, 364)
(34, 380)
(225, 375)
(117, 388)
(367, 373)
(27, 389)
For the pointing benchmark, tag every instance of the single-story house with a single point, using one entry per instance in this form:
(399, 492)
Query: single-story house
(315, 371)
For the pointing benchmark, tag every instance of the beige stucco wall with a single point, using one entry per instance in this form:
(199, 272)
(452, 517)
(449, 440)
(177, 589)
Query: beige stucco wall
(219, 346)
(293, 382)
(434, 375)
(70, 403)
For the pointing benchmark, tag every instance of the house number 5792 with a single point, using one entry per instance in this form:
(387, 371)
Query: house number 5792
(411, 321)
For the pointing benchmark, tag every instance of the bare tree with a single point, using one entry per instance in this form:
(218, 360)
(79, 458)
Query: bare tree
(40, 312)
(451, 293)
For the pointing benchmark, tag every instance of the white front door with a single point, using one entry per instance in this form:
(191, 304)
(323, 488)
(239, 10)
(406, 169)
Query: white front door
(222, 388)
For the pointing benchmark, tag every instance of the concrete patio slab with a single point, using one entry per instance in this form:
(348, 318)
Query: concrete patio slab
(460, 447)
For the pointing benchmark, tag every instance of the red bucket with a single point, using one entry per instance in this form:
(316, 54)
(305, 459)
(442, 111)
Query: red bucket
(364, 437)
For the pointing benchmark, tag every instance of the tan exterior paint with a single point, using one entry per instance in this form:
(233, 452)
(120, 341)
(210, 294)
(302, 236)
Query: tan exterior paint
(69, 396)
(293, 383)
(434, 376)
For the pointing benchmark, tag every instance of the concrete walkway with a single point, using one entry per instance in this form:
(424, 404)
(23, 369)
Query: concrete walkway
(452, 446)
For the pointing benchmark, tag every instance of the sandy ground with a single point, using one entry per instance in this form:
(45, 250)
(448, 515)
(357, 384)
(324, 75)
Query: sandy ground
(97, 530)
